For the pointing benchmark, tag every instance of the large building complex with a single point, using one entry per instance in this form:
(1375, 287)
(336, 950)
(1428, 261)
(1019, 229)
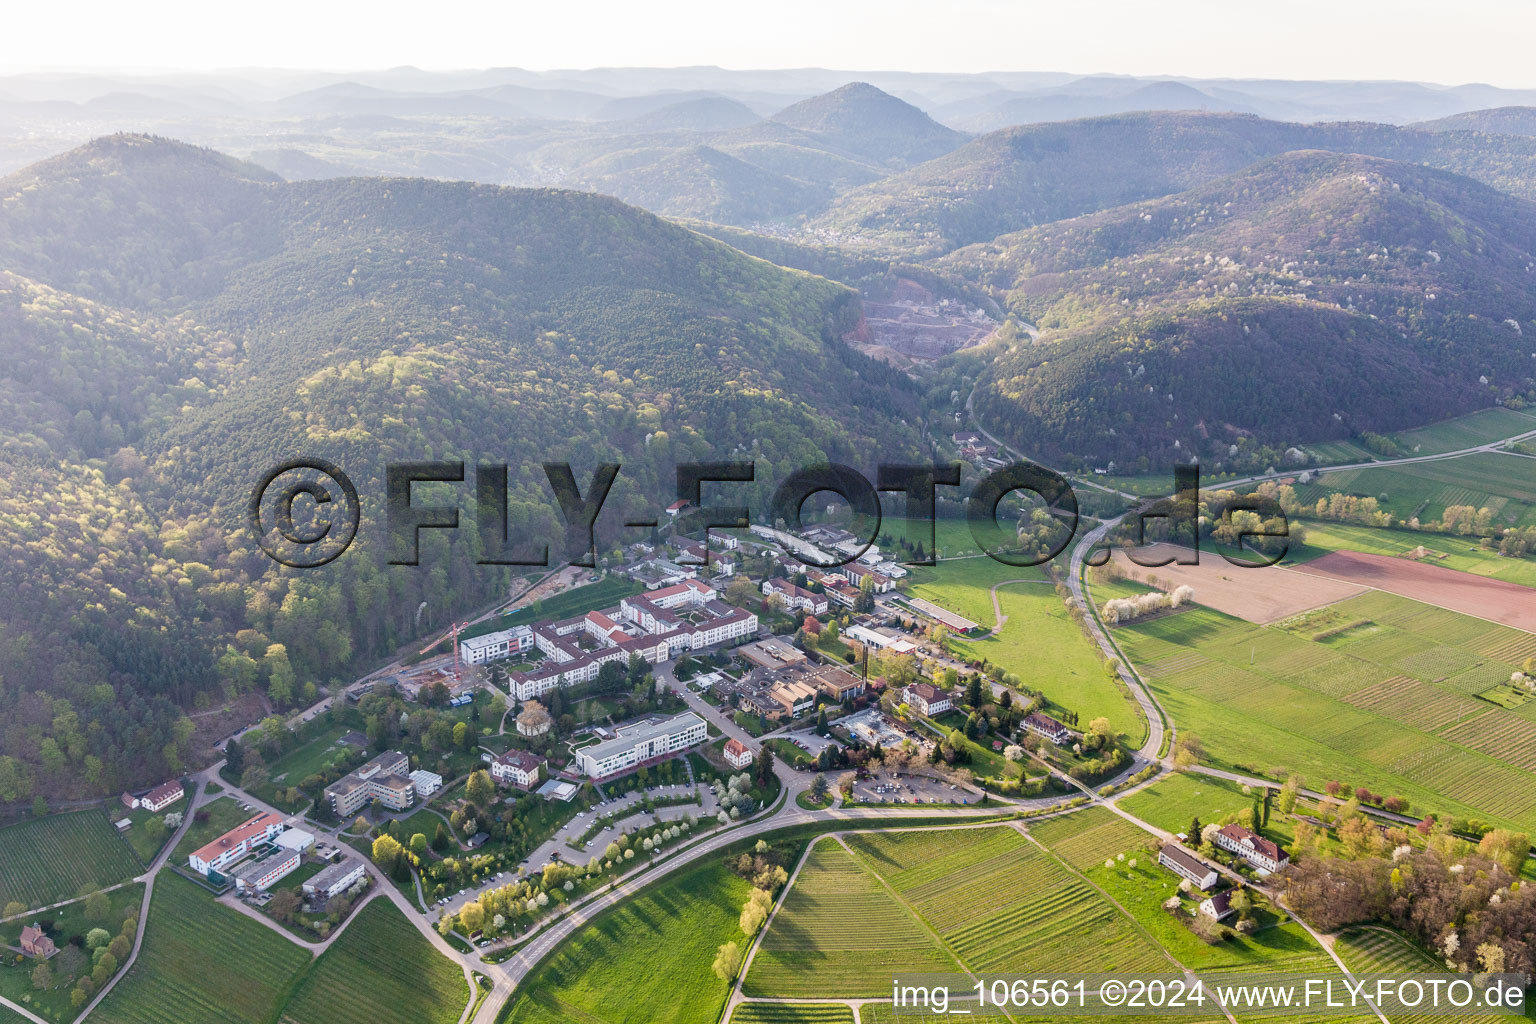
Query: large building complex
(385, 778)
(657, 625)
(635, 744)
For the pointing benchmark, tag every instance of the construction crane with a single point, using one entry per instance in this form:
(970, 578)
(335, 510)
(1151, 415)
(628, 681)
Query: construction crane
(453, 636)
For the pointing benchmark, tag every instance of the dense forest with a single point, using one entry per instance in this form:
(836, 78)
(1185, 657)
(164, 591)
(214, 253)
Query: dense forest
(175, 322)
(1312, 296)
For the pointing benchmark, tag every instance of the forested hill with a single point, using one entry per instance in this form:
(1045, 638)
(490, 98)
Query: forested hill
(1313, 295)
(173, 322)
(1034, 174)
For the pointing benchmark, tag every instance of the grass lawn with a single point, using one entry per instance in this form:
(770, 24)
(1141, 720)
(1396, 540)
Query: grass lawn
(613, 970)
(61, 856)
(381, 969)
(144, 845)
(212, 820)
(1171, 803)
(311, 757)
(67, 925)
(203, 963)
(591, 597)
(1072, 677)
(1376, 690)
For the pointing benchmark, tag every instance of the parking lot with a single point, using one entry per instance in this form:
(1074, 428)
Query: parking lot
(890, 788)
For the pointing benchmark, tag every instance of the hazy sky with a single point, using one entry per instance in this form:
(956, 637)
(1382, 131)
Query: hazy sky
(1466, 41)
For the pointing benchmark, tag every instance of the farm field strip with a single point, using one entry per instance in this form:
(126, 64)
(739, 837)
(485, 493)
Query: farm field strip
(792, 1013)
(49, 859)
(813, 949)
(1027, 914)
(380, 969)
(1388, 702)
(1101, 834)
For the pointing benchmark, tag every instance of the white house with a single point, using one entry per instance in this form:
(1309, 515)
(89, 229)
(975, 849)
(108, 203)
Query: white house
(334, 880)
(517, 767)
(1253, 848)
(737, 754)
(927, 699)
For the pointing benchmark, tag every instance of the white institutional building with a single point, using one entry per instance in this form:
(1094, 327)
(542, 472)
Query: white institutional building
(633, 745)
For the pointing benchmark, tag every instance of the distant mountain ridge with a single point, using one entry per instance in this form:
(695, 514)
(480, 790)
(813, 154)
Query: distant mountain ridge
(1313, 295)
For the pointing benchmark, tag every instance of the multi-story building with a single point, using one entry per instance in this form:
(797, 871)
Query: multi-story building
(267, 870)
(162, 796)
(737, 754)
(1187, 865)
(236, 843)
(1048, 727)
(496, 646)
(333, 880)
(795, 598)
(1253, 848)
(635, 744)
(386, 778)
(657, 625)
(927, 699)
(517, 767)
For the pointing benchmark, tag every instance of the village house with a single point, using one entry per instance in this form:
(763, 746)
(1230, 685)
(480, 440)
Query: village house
(162, 796)
(1253, 848)
(737, 754)
(1048, 727)
(1193, 869)
(1218, 907)
(927, 699)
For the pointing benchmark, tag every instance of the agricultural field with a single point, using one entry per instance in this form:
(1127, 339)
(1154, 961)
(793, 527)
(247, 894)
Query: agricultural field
(1085, 838)
(1256, 594)
(1509, 604)
(792, 1013)
(203, 963)
(1502, 482)
(1374, 704)
(1073, 678)
(380, 969)
(1003, 905)
(583, 599)
(1463, 553)
(812, 950)
(61, 856)
(1376, 950)
(608, 971)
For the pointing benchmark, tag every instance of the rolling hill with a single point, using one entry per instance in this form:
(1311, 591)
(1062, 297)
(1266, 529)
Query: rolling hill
(1020, 177)
(174, 321)
(1313, 295)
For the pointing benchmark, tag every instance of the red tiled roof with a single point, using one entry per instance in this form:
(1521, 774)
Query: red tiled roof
(237, 835)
